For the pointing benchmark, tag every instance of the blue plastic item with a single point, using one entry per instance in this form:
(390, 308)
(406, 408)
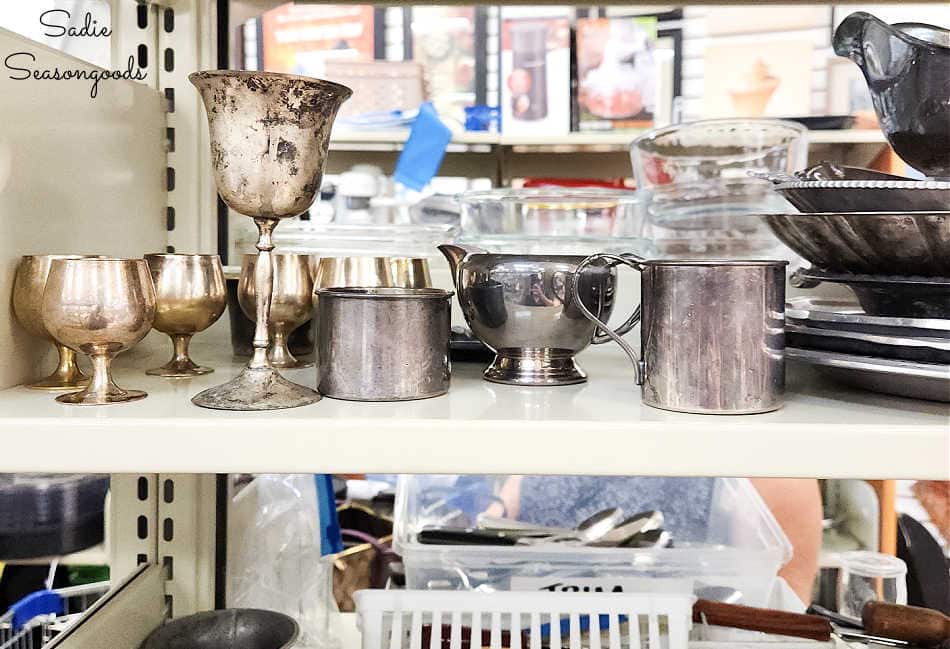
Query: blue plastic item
(331, 540)
(422, 153)
(482, 118)
(583, 624)
(43, 602)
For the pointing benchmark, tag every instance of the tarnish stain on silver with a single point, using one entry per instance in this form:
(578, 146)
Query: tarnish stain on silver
(269, 137)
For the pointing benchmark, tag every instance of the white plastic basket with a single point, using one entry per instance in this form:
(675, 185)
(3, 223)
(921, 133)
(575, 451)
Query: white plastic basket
(425, 619)
(439, 620)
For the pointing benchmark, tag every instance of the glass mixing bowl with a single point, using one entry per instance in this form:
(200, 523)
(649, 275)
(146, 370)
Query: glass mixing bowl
(551, 212)
(703, 198)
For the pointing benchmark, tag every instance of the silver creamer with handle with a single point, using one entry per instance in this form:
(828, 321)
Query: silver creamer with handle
(712, 333)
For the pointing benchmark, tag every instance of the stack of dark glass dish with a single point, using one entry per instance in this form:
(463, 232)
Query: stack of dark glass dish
(885, 237)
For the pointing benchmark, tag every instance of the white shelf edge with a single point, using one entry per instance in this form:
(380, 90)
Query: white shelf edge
(341, 139)
(600, 427)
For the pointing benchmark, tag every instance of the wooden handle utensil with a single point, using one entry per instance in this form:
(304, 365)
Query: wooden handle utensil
(922, 626)
(812, 627)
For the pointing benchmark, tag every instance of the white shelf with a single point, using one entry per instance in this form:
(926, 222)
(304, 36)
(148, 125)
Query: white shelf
(343, 139)
(600, 427)
(851, 136)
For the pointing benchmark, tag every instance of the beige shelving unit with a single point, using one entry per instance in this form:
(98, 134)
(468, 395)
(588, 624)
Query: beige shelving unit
(505, 157)
(162, 452)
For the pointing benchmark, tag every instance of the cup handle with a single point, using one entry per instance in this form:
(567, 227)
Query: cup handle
(635, 262)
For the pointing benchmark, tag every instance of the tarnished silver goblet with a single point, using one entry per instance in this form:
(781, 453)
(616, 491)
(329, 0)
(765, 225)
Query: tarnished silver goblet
(269, 138)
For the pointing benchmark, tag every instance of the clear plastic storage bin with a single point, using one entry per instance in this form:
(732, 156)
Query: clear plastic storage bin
(738, 545)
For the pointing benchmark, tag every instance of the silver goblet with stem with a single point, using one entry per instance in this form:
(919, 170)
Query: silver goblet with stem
(269, 139)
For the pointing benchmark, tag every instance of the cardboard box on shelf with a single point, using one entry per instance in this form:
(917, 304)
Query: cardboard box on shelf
(617, 73)
(535, 75)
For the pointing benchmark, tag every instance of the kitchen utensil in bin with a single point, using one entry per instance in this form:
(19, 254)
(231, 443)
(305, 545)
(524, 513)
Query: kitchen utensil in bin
(728, 316)
(269, 136)
(189, 297)
(234, 628)
(29, 283)
(907, 69)
(100, 307)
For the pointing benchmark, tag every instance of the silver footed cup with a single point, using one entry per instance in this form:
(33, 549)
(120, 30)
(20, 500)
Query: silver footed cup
(190, 297)
(29, 285)
(291, 301)
(100, 307)
(269, 139)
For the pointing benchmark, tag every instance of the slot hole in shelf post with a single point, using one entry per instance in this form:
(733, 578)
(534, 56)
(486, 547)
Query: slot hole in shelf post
(168, 563)
(169, 59)
(168, 487)
(142, 527)
(143, 55)
(169, 20)
(141, 16)
(140, 559)
(142, 484)
(168, 530)
(170, 99)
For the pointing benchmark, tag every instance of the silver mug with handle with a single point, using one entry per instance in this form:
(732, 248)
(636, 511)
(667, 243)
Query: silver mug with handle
(712, 333)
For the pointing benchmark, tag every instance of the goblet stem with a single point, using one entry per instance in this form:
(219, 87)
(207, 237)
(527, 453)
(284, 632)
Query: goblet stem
(67, 376)
(263, 286)
(180, 344)
(280, 355)
(181, 365)
(102, 382)
(102, 388)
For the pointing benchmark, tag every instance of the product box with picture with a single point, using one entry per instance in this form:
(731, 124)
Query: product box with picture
(618, 73)
(535, 72)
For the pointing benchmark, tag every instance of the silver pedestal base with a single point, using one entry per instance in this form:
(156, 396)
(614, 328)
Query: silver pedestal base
(534, 367)
(256, 389)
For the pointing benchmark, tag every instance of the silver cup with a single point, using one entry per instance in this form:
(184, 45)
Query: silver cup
(712, 333)
(383, 344)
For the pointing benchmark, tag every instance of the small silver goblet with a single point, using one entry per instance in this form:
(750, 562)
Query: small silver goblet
(29, 283)
(190, 297)
(100, 307)
(291, 301)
